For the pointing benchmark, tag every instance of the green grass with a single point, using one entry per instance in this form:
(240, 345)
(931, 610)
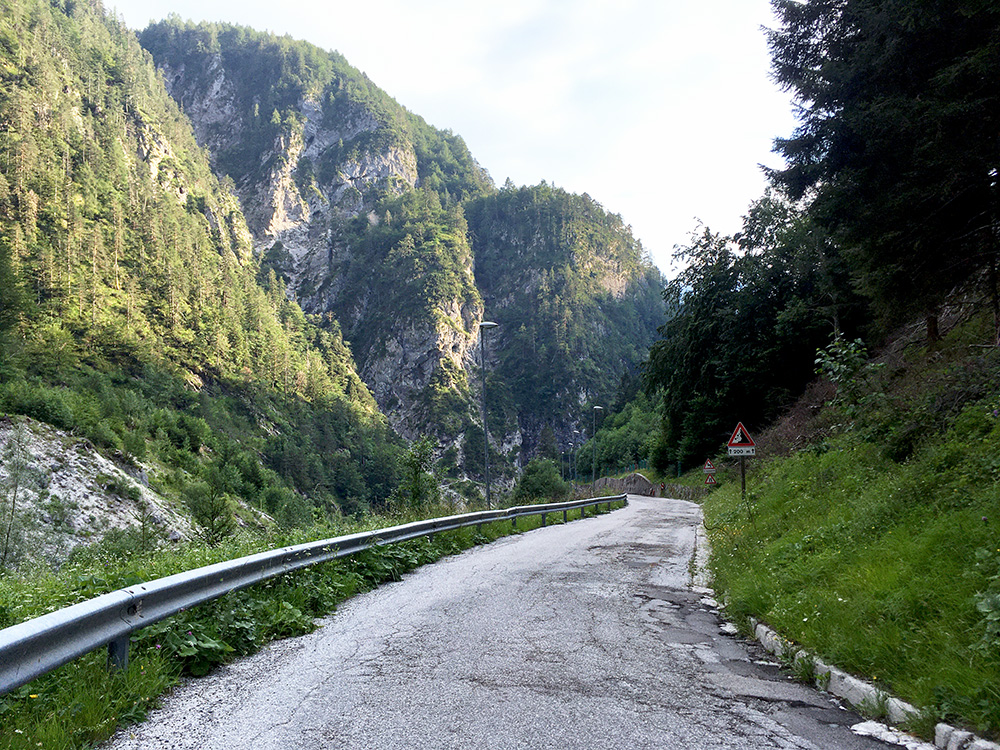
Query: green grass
(883, 564)
(82, 703)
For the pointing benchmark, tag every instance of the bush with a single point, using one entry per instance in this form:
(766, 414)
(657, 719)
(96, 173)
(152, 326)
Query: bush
(541, 480)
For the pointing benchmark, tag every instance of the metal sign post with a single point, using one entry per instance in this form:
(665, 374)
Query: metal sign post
(742, 445)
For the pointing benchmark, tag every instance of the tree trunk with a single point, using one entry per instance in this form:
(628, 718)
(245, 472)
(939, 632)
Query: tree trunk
(933, 334)
(995, 299)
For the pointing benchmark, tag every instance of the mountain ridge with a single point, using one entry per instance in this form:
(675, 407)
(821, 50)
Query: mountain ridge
(378, 194)
(219, 327)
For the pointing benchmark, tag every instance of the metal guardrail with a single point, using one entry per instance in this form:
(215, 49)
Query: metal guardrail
(35, 647)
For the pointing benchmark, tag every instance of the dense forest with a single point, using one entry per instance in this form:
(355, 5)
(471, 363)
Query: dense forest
(133, 310)
(886, 212)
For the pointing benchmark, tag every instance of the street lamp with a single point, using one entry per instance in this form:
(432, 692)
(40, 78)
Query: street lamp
(576, 454)
(593, 467)
(486, 433)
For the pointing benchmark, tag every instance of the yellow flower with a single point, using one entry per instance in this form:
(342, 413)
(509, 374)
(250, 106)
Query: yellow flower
(32, 696)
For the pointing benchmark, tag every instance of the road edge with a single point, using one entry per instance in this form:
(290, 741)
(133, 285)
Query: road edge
(862, 695)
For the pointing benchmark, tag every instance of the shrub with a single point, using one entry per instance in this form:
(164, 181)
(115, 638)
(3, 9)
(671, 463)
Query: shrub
(541, 480)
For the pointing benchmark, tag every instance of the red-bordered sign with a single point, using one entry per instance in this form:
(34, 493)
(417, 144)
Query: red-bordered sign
(710, 479)
(741, 438)
(709, 467)
(741, 444)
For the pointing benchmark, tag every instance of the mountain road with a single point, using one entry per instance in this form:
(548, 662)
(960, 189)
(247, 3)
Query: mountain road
(583, 635)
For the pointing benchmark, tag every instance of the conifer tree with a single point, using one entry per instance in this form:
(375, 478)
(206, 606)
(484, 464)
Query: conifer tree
(897, 148)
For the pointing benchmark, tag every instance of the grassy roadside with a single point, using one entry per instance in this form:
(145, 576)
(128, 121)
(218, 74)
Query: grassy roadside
(81, 703)
(877, 544)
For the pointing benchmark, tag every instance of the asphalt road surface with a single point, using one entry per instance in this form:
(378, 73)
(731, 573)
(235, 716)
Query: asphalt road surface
(585, 635)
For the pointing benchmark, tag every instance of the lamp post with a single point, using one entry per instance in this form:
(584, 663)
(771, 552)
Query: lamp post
(593, 466)
(486, 433)
(576, 454)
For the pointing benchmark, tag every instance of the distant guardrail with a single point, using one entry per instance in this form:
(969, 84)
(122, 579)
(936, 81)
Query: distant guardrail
(35, 647)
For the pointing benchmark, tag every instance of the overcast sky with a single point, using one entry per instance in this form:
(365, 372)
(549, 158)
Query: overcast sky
(661, 110)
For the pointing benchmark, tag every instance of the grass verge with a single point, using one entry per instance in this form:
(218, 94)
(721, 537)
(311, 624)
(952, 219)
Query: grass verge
(878, 547)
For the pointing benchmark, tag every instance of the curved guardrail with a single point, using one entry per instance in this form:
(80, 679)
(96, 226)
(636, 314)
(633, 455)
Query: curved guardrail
(34, 647)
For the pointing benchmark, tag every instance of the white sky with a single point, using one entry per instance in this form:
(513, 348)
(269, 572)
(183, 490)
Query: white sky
(661, 110)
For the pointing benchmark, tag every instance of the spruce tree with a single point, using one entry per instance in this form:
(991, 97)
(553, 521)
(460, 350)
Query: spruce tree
(897, 149)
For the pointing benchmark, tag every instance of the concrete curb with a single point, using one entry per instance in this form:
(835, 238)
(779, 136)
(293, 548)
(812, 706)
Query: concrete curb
(948, 737)
(860, 694)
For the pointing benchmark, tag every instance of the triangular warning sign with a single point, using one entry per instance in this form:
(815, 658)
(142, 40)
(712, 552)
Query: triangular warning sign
(741, 438)
(709, 466)
(710, 479)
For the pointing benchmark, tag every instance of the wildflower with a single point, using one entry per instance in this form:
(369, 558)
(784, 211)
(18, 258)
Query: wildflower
(33, 696)
(158, 645)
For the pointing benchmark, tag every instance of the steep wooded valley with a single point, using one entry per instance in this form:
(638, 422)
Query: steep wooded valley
(237, 267)
(241, 291)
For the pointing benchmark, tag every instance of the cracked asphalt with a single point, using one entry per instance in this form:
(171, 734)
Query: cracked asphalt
(585, 635)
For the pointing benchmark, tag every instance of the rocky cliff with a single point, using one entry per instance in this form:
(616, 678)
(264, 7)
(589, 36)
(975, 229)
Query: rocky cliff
(317, 169)
(389, 226)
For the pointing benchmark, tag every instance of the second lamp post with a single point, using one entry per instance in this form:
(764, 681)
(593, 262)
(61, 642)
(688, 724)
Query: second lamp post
(486, 433)
(593, 467)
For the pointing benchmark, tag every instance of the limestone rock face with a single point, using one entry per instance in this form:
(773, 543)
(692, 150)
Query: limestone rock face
(278, 208)
(292, 205)
(404, 367)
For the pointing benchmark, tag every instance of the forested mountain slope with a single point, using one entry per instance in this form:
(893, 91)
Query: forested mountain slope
(390, 226)
(577, 299)
(134, 310)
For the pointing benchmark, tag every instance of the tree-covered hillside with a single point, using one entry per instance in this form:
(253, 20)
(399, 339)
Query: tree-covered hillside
(134, 311)
(577, 300)
(390, 215)
(886, 212)
(747, 316)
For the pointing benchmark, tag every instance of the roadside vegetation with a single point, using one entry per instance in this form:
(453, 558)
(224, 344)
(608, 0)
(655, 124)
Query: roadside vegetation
(871, 532)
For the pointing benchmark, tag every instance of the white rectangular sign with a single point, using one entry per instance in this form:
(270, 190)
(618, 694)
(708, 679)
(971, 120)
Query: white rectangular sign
(742, 450)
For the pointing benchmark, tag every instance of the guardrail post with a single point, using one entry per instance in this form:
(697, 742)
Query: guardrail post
(513, 522)
(118, 654)
(543, 518)
(565, 516)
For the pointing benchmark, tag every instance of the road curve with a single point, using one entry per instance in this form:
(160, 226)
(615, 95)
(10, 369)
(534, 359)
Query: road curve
(584, 635)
